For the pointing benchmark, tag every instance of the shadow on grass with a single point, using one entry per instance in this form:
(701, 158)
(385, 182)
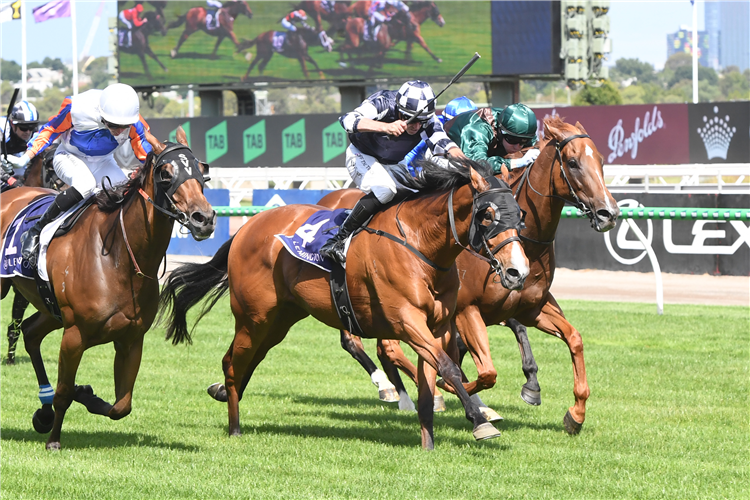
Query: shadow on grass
(195, 55)
(97, 440)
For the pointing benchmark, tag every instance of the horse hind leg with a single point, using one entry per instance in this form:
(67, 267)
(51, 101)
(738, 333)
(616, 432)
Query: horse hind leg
(390, 353)
(71, 351)
(14, 327)
(183, 37)
(531, 393)
(34, 329)
(353, 345)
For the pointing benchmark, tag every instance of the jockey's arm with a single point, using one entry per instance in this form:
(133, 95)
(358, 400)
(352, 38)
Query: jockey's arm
(137, 136)
(367, 118)
(56, 126)
(475, 144)
(394, 128)
(138, 22)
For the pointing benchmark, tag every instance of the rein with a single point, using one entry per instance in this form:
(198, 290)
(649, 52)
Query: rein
(558, 156)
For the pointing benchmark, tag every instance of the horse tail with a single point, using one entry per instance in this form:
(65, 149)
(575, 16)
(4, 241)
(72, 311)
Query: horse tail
(188, 285)
(246, 44)
(177, 22)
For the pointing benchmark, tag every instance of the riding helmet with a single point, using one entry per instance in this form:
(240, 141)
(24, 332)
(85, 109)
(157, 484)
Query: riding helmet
(119, 104)
(24, 113)
(415, 97)
(457, 106)
(517, 120)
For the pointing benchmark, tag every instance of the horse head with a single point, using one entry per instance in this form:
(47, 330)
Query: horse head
(178, 178)
(582, 174)
(495, 223)
(239, 7)
(155, 22)
(435, 15)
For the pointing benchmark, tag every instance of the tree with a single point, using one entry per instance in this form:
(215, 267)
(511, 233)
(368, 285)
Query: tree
(633, 67)
(10, 70)
(597, 96)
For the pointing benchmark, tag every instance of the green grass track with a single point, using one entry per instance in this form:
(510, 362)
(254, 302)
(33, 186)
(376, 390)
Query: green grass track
(667, 419)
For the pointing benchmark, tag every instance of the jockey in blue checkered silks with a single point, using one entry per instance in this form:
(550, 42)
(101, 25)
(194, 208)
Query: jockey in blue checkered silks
(380, 138)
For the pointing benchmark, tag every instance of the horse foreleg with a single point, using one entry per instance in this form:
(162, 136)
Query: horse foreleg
(404, 402)
(550, 319)
(220, 39)
(320, 72)
(14, 328)
(71, 351)
(353, 345)
(426, 384)
(530, 392)
(145, 65)
(183, 37)
(423, 44)
(389, 351)
(127, 364)
(304, 66)
(153, 56)
(474, 334)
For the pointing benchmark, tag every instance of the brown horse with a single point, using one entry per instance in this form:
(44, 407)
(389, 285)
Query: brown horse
(541, 190)
(294, 45)
(103, 276)
(408, 28)
(140, 45)
(397, 290)
(336, 19)
(195, 19)
(354, 42)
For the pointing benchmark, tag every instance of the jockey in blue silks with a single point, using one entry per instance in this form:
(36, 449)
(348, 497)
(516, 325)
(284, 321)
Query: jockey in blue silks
(452, 109)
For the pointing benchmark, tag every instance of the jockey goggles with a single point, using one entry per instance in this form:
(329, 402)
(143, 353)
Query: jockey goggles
(27, 127)
(514, 139)
(114, 126)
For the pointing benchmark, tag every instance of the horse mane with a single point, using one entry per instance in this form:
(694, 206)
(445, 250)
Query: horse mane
(109, 200)
(434, 177)
(557, 122)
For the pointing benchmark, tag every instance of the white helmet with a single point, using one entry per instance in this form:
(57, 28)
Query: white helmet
(119, 104)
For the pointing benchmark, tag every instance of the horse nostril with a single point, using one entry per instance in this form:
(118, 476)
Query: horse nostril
(513, 273)
(604, 214)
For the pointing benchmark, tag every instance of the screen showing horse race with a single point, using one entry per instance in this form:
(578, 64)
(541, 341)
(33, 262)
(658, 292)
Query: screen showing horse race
(214, 42)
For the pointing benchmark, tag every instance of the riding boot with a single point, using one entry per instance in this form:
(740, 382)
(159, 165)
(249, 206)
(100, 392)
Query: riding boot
(360, 214)
(30, 239)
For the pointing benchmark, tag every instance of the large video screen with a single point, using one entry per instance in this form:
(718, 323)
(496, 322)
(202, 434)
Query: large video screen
(195, 42)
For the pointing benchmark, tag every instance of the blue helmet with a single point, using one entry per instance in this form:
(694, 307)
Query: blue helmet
(457, 106)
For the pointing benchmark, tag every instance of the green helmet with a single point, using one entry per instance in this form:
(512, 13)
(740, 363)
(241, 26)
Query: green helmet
(517, 120)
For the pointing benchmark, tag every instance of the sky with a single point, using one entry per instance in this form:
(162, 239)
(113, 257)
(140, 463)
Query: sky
(638, 30)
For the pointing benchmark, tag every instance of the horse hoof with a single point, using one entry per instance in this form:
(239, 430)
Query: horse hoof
(43, 420)
(485, 431)
(438, 403)
(53, 446)
(10, 361)
(533, 398)
(439, 60)
(343, 64)
(389, 395)
(218, 392)
(173, 53)
(405, 403)
(571, 426)
(249, 56)
(490, 414)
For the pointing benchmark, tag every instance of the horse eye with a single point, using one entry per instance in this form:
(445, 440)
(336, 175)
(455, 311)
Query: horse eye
(573, 163)
(488, 217)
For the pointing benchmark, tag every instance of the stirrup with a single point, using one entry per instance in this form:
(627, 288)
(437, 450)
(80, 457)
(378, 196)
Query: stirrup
(334, 250)
(30, 247)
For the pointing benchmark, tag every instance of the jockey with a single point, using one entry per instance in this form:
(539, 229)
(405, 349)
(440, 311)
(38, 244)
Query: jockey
(382, 11)
(212, 16)
(91, 125)
(379, 139)
(132, 18)
(296, 16)
(452, 109)
(491, 133)
(24, 122)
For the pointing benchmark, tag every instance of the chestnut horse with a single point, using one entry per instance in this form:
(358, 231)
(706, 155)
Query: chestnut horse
(336, 19)
(569, 169)
(103, 276)
(195, 19)
(397, 290)
(294, 46)
(39, 173)
(354, 42)
(407, 27)
(140, 45)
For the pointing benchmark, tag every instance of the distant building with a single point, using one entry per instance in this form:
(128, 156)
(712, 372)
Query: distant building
(728, 27)
(682, 41)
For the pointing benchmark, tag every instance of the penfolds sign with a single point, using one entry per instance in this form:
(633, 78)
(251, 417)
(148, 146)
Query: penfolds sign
(632, 134)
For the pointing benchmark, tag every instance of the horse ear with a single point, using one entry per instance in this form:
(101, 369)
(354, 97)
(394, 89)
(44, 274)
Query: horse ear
(157, 146)
(478, 181)
(551, 132)
(505, 174)
(580, 127)
(181, 136)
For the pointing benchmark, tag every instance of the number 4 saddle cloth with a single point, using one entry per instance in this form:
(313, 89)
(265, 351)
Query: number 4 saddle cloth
(305, 243)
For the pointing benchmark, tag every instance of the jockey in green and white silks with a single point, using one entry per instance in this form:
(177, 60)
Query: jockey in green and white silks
(491, 133)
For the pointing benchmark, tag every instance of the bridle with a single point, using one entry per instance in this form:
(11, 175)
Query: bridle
(558, 157)
(167, 187)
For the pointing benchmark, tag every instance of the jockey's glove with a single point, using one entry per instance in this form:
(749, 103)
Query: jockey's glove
(525, 160)
(7, 167)
(19, 161)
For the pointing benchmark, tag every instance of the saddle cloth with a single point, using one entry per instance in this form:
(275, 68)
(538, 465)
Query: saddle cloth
(11, 263)
(370, 35)
(279, 38)
(212, 20)
(305, 243)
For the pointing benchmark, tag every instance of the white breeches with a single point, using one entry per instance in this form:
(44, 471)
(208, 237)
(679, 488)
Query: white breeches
(125, 21)
(288, 25)
(370, 175)
(86, 177)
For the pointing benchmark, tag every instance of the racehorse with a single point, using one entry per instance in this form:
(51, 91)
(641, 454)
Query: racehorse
(354, 41)
(103, 276)
(140, 45)
(294, 46)
(195, 19)
(335, 19)
(39, 173)
(397, 290)
(407, 26)
(569, 169)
